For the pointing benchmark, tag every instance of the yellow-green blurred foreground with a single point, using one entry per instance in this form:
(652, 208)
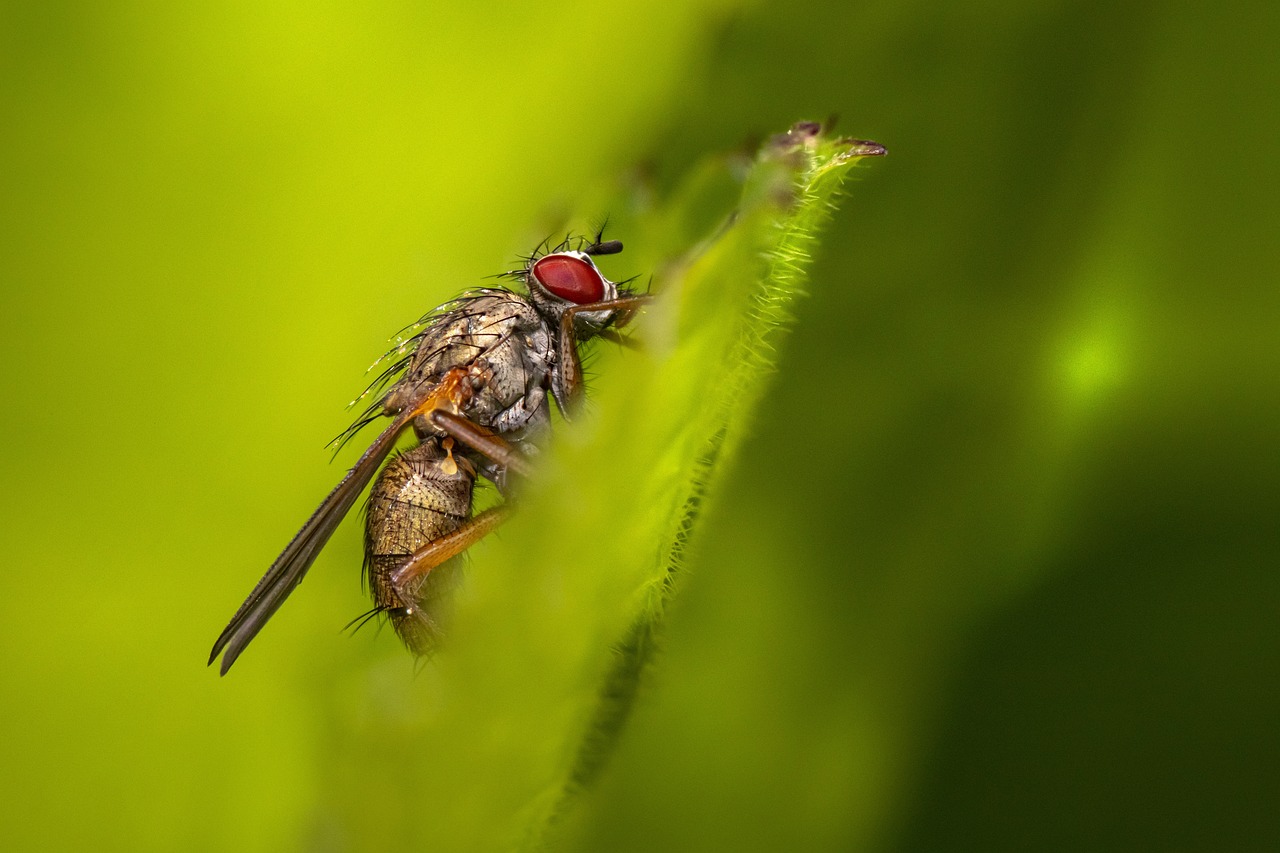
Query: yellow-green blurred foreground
(999, 568)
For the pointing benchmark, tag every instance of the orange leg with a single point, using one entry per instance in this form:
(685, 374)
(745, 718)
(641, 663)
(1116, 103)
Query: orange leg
(446, 547)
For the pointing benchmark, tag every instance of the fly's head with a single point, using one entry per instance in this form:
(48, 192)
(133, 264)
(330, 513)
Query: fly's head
(565, 278)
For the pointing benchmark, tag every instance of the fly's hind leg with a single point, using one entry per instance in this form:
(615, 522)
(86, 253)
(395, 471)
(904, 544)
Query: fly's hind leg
(409, 575)
(422, 495)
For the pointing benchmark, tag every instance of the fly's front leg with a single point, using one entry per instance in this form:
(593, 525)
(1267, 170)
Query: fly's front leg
(569, 387)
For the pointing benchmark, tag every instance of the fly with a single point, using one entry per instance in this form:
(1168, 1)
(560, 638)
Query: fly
(474, 387)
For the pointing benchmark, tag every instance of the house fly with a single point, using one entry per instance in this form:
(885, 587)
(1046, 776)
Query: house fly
(473, 385)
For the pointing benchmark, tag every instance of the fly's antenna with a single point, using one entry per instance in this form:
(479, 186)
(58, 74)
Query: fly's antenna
(603, 247)
(599, 245)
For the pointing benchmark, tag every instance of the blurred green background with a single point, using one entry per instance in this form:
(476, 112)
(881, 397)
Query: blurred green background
(997, 570)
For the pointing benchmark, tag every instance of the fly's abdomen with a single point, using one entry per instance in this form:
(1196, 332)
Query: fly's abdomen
(421, 495)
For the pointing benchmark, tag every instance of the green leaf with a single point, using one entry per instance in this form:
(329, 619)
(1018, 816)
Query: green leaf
(560, 609)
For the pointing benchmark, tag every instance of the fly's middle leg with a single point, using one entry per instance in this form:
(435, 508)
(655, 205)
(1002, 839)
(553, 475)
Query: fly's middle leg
(482, 440)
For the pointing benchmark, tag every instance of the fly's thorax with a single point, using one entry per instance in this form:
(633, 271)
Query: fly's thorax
(505, 344)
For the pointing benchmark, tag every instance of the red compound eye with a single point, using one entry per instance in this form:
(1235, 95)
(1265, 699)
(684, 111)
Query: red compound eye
(570, 278)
